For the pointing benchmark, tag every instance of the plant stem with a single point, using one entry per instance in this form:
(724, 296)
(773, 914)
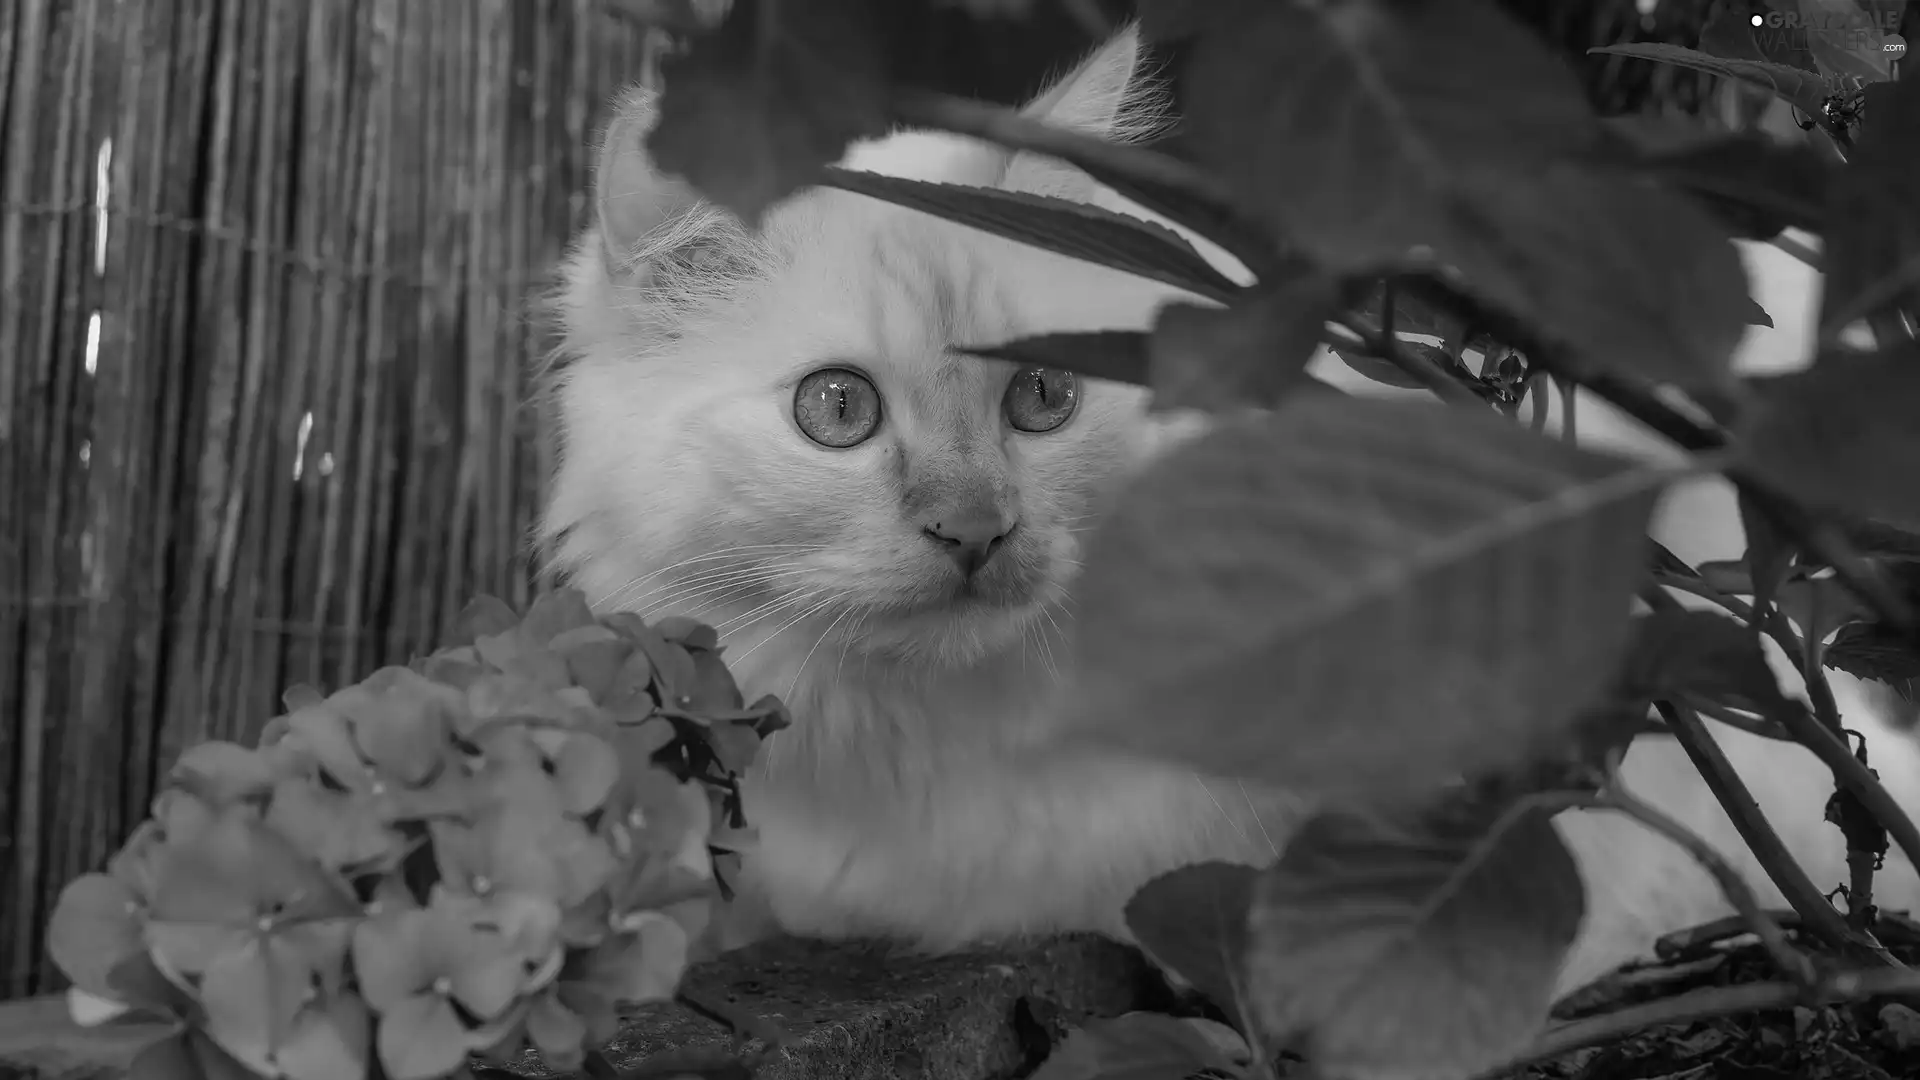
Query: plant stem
(1799, 249)
(1808, 902)
(1446, 385)
(1790, 960)
(1706, 1004)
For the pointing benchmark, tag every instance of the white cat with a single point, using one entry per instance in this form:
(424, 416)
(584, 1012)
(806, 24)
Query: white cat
(773, 433)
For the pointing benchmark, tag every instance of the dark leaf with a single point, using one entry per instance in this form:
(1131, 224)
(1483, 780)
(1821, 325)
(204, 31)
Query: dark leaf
(1842, 43)
(1252, 353)
(1730, 34)
(1755, 185)
(1137, 1046)
(1664, 559)
(1119, 355)
(1873, 242)
(1260, 581)
(1871, 651)
(1843, 435)
(1384, 950)
(187, 1055)
(1079, 231)
(1820, 606)
(751, 113)
(1770, 553)
(1702, 653)
(1483, 164)
(1804, 90)
(1390, 373)
(1194, 920)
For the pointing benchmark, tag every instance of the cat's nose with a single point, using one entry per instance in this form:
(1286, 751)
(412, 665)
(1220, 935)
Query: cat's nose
(972, 539)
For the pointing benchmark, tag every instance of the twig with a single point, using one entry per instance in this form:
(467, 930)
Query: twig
(1849, 773)
(1707, 1004)
(1799, 249)
(1816, 913)
(1790, 960)
(1447, 385)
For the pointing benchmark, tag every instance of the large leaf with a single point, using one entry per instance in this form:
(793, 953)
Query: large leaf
(1135, 1046)
(1359, 597)
(1845, 41)
(1755, 185)
(1194, 920)
(1804, 90)
(1090, 233)
(1252, 353)
(1873, 252)
(1119, 355)
(1486, 165)
(1429, 951)
(1705, 654)
(1843, 434)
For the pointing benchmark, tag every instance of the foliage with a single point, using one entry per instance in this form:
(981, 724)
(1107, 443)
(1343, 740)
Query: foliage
(486, 850)
(1373, 602)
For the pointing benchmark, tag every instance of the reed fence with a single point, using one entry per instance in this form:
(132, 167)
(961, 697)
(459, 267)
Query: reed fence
(264, 268)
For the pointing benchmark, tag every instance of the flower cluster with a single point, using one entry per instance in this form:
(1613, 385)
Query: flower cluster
(487, 849)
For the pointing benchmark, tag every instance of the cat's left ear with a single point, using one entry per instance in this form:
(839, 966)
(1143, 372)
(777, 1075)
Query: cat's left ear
(1099, 96)
(1103, 96)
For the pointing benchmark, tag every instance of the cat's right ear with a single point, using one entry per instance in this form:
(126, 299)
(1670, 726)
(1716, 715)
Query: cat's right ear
(633, 200)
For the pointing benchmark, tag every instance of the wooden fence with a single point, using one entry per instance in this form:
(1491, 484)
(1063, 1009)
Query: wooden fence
(264, 268)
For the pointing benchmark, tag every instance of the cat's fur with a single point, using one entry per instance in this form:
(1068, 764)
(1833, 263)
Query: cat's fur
(919, 795)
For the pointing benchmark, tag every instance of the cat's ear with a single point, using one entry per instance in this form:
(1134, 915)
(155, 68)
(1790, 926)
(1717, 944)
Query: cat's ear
(1099, 96)
(1105, 96)
(633, 201)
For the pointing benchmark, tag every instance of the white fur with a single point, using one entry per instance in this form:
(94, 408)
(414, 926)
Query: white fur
(919, 795)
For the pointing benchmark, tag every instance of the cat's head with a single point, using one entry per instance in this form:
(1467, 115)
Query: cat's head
(773, 431)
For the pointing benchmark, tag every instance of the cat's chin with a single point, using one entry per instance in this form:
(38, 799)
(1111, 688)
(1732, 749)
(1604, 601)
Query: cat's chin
(960, 631)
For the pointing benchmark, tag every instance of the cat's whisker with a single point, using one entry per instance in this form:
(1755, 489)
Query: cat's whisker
(797, 672)
(821, 605)
(708, 576)
(727, 586)
(738, 553)
(764, 611)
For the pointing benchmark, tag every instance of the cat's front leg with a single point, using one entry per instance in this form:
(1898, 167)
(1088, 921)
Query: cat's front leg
(1000, 848)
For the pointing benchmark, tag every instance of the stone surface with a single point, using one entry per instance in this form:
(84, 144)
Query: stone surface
(851, 1011)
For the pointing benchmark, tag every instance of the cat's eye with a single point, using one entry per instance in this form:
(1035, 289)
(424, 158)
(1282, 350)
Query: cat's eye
(837, 407)
(1041, 399)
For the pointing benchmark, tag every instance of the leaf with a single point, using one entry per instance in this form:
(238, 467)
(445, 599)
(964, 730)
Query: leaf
(1804, 90)
(1077, 230)
(751, 113)
(1873, 242)
(1703, 653)
(1433, 951)
(1359, 597)
(1871, 651)
(1482, 164)
(1820, 606)
(1117, 355)
(1843, 42)
(1842, 434)
(1770, 554)
(1252, 353)
(421, 1038)
(95, 927)
(1194, 920)
(1135, 1046)
(1388, 372)
(1730, 33)
(1753, 184)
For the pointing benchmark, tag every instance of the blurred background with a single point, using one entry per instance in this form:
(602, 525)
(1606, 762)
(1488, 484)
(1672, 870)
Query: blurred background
(265, 319)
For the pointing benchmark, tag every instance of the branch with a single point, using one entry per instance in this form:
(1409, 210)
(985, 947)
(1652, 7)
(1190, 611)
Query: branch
(1447, 385)
(1706, 1004)
(1790, 960)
